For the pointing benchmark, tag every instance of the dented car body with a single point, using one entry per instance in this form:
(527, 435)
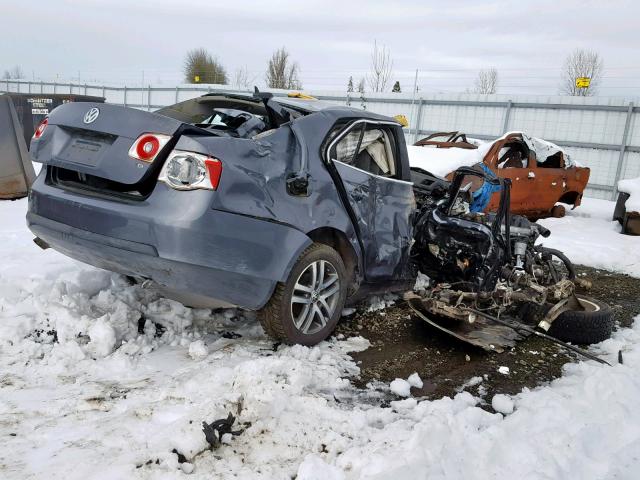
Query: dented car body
(291, 207)
(541, 174)
(271, 178)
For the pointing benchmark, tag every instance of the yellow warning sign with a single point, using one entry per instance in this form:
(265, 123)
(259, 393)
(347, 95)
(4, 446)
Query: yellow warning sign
(583, 82)
(196, 78)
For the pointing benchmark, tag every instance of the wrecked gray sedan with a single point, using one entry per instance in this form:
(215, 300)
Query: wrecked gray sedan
(286, 206)
(293, 207)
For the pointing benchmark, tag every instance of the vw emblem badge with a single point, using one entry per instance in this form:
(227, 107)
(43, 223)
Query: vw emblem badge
(91, 115)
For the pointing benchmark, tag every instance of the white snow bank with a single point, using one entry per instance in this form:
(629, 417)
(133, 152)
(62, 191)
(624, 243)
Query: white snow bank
(632, 187)
(588, 236)
(69, 411)
(583, 425)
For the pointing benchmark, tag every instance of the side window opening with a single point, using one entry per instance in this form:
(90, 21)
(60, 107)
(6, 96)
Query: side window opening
(513, 155)
(553, 161)
(367, 147)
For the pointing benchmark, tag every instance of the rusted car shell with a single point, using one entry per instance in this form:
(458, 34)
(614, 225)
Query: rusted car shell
(536, 187)
(451, 139)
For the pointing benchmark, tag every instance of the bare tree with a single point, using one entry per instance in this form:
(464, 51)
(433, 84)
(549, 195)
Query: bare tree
(350, 84)
(381, 68)
(282, 72)
(363, 100)
(242, 80)
(581, 63)
(201, 67)
(349, 90)
(15, 73)
(486, 81)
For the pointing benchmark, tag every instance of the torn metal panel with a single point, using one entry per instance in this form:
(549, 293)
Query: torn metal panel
(474, 329)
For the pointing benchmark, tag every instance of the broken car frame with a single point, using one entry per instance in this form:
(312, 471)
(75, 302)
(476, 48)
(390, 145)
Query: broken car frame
(492, 285)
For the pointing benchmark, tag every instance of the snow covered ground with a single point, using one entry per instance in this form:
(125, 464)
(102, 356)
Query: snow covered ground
(589, 237)
(83, 395)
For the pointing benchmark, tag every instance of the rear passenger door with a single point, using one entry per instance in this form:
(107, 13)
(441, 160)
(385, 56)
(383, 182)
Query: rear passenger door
(365, 155)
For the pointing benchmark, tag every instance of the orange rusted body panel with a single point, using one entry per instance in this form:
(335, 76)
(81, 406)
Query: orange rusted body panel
(535, 189)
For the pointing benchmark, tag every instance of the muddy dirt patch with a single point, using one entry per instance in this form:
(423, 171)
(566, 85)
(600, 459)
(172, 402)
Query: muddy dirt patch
(402, 344)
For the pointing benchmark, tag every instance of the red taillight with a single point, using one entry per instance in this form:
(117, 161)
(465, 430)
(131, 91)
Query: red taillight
(214, 168)
(41, 127)
(147, 146)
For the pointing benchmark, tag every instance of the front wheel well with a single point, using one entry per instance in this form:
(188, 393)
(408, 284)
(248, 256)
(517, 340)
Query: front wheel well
(338, 240)
(569, 198)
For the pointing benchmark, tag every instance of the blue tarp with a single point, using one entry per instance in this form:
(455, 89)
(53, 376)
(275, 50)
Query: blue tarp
(482, 196)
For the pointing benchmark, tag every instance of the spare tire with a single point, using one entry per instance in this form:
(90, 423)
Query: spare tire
(592, 324)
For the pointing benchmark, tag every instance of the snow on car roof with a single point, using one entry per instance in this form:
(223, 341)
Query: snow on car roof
(442, 161)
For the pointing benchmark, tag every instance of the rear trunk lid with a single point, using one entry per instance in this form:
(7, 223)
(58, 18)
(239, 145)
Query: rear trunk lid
(95, 138)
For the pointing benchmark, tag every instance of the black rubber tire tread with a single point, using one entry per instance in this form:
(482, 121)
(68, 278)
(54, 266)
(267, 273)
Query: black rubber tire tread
(275, 313)
(584, 327)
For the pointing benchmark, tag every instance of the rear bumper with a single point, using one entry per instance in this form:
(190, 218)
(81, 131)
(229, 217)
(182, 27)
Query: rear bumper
(176, 240)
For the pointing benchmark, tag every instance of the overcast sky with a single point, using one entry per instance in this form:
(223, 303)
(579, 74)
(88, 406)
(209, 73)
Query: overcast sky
(447, 41)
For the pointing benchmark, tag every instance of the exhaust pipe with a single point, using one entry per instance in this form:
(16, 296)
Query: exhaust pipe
(41, 243)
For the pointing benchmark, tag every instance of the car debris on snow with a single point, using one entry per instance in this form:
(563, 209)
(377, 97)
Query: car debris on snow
(220, 431)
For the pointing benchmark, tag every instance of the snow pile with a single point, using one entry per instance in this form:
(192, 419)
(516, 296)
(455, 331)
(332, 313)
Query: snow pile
(588, 236)
(96, 369)
(198, 350)
(502, 403)
(402, 387)
(415, 380)
(632, 187)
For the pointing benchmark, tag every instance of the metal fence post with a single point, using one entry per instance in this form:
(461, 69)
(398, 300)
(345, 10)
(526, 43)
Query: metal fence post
(623, 147)
(54, 87)
(507, 117)
(149, 98)
(177, 90)
(29, 86)
(70, 88)
(416, 130)
(125, 96)
(103, 94)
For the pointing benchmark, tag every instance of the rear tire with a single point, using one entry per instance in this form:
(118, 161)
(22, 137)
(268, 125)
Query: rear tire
(584, 327)
(306, 308)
